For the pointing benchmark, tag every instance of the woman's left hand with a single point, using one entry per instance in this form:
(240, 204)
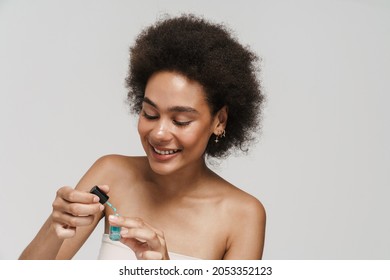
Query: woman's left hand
(147, 242)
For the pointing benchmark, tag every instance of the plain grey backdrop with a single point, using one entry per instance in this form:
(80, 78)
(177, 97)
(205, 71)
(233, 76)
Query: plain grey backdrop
(320, 167)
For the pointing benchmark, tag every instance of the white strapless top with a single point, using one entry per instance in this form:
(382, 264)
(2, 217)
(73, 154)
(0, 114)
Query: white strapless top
(116, 250)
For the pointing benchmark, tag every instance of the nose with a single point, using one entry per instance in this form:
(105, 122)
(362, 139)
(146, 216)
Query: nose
(161, 134)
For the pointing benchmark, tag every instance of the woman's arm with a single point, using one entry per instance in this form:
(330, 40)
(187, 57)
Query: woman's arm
(72, 209)
(76, 212)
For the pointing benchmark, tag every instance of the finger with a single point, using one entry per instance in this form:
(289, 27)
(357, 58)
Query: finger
(125, 221)
(65, 232)
(104, 188)
(144, 234)
(132, 223)
(151, 255)
(160, 233)
(142, 251)
(70, 220)
(135, 245)
(72, 195)
(76, 209)
(79, 209)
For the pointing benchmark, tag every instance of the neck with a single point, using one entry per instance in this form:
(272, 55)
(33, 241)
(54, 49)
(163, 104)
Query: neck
(183, 182)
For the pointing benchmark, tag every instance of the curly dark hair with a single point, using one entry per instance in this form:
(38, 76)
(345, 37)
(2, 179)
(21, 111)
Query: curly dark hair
(209, 54)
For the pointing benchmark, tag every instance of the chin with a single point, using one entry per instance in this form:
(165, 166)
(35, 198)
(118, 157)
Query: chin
(162, 169)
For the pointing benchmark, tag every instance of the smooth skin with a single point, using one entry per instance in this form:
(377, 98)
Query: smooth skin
(169, 200)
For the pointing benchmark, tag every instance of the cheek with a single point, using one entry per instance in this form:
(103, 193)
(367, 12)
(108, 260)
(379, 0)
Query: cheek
(142, 127)
(195, 138)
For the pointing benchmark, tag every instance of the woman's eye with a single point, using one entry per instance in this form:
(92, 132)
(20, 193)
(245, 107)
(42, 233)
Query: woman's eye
(149, 117)
(178, 123)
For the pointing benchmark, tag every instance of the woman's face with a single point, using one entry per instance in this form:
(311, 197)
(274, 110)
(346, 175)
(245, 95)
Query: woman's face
(175, 122)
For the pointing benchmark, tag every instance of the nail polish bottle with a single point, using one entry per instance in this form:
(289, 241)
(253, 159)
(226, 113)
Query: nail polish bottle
(103, 198)
(115, 232)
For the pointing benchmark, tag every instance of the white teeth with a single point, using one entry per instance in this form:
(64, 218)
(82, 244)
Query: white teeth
(167, 152)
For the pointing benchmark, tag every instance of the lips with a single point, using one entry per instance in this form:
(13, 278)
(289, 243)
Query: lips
(165, 151)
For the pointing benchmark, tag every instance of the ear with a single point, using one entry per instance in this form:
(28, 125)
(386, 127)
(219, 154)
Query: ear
(220, 120)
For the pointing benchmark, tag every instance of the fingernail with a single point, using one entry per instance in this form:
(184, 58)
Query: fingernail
(112, 218)
(124, 231)
(101, 207)
(96, 199)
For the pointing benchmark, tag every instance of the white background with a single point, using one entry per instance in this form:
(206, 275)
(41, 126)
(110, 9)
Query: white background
(321, 166)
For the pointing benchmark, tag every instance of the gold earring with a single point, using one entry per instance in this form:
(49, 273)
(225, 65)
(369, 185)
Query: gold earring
(219, 136)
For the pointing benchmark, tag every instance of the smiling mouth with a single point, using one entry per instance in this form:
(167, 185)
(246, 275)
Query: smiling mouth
(166, 152)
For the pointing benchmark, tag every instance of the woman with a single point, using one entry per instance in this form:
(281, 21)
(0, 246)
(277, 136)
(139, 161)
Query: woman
(195, 90)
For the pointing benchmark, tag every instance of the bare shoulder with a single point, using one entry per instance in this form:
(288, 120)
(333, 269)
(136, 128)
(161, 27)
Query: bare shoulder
(118, 163)
(112, 168)
(243, 205)
(115, 161)
(246, 218)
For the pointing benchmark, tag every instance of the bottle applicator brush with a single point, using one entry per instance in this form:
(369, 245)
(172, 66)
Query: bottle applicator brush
(103, 199)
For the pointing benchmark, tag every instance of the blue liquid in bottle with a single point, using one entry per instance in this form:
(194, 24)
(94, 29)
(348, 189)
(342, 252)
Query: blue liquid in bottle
(114, 231)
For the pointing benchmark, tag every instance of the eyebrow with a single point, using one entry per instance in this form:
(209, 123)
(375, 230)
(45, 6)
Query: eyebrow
(179, 109)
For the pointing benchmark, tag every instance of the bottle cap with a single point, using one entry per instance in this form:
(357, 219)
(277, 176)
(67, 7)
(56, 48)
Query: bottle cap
(102, 196)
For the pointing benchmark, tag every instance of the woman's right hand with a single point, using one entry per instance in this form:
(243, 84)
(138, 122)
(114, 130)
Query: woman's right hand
(74, 208)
